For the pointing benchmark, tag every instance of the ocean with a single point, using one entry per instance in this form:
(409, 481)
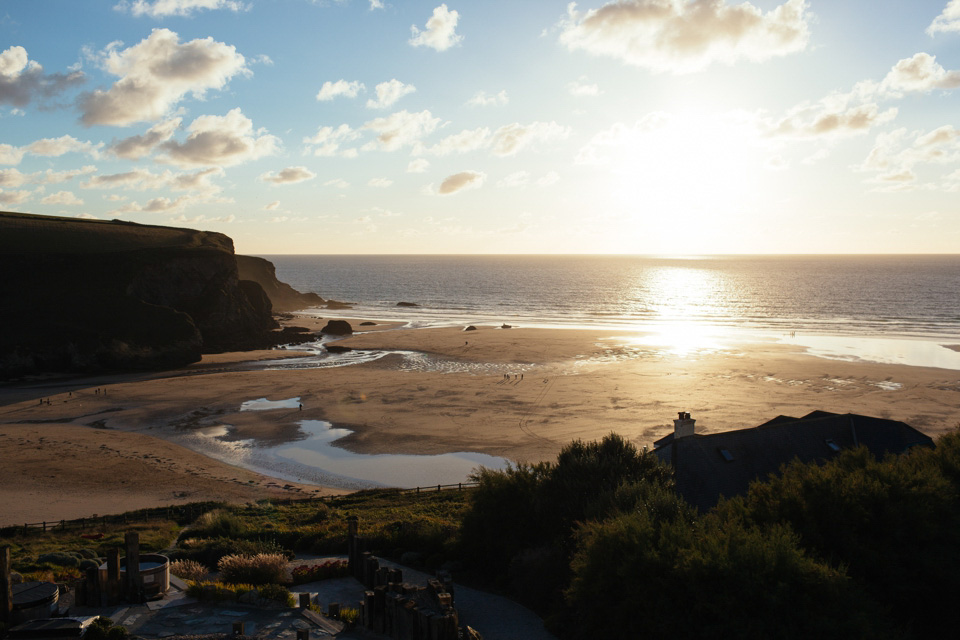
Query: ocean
(915, 296)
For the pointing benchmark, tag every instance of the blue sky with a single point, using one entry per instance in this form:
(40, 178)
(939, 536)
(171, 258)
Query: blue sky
(366, 126)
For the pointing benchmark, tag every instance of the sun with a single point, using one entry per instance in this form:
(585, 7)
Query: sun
(685, 178)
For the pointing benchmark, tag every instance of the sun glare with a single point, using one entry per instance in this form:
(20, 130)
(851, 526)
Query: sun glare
(685, 178)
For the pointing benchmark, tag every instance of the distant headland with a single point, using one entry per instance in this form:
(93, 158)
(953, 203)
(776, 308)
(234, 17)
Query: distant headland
(87, 295)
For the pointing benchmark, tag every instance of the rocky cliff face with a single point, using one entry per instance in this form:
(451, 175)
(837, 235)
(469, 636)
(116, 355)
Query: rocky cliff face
(282, 296)
(80, 295)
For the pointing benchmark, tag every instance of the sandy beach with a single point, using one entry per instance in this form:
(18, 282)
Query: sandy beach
(516, 393)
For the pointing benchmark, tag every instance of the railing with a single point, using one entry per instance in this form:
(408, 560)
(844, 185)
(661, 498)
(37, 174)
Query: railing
(187, 513)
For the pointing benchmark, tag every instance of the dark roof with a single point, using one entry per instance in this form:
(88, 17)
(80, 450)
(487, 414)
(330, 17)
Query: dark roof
(723, 464)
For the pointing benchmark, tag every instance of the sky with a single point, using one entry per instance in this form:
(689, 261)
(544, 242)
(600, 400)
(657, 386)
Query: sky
(492, 126)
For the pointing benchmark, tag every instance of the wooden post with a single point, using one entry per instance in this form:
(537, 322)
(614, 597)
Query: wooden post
(6, 588)
(113, 576)
(303, 634)
(132, 538)
(304, 600)
(238, 628)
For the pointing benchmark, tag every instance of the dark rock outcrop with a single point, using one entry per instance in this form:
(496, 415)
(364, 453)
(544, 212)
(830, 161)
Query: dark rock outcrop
(470, 328)
(337, 328)
(368, 324)
(87, 295)
(407, 304)
(282, 296)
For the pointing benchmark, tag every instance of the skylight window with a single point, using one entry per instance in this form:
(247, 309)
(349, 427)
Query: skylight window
(726, 455)
(833, 445)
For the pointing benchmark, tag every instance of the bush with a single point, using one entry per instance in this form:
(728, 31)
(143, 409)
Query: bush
(218, 523)
(278, 593)
(61, 558)
(209, 552)
(88, 554)
(188, 569)
(263, 568)
(103, 628)
(89, 564)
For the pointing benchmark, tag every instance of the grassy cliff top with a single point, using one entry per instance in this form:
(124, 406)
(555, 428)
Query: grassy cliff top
(28, 233)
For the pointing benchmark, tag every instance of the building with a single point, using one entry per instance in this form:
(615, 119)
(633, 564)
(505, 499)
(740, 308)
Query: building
(708, 466)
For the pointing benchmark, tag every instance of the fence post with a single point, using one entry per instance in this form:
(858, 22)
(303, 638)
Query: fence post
(438, 488)
(6, 588)
(44, 523)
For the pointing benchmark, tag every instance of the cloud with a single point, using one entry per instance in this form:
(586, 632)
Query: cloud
(290, 175)
(380, 183)
(682, 37)
(947, 21)
(549, 178)
(512, 138)
(338, 183)
(156, 74)
(220, 141)
(420, 165)
(376, 4)
(10, 154)
(13, 177)
(389, 92)
(466, 140)
(64, 144)
(8, 198)
(327, 141)
(920, 73)
(400, 129)
(440, 33)
(896, 154)
(164, 8)
(581, 88)
(481, 99)
(135, 147)
(22, 80)
(461, 181)
(367, 223)
(827, 120)
(515, 179)
(272, 206)
(138, 179)
(331, 90)
(62, 197)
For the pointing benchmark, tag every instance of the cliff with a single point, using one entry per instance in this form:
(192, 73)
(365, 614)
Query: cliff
(87, 295)
(282, 296)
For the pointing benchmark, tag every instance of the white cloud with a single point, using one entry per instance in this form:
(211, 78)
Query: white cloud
(163, 8)
(420, 165)
(64, 144)
(440, 33)
(156, 74)
(338, 183)
(62, 197)
(13, 178)
(220, 141)
(389, 92)
(135, 147)
(515, 179)
(581, 88)
(550, 178)
(273, 206)
(376, 4)
(327, 141)
(400, 129)
(10, 154)
(8, 198)
(947, 21)
(289, 175)
(461, 181)
(896, 154)
(380, 183)
(331, 90)
(367, 223)
(139, 179)
(22, 80)
(920, 73)
(512, 138)
(682, 37)
(481, 99)
(466, 140)
(828, 119)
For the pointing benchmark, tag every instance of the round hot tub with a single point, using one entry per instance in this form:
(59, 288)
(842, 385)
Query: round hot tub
(33, 600)
(154, 574)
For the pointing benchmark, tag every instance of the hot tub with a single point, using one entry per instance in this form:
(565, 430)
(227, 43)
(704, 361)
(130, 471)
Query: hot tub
(33, 600)
(154, 574)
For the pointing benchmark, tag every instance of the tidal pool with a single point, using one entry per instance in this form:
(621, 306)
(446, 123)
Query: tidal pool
(315, 459)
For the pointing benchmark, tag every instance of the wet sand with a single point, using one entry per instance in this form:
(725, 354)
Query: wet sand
(448, 391)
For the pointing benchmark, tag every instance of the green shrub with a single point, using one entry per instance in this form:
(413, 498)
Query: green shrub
(263, 568)
(218, 523)
(278, 593)
(209, 552)
(60, 558)
(103, 628)
(188, 569)
(86, 563)
(88, 554)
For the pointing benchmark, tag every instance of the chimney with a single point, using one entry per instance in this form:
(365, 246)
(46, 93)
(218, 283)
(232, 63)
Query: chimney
(683, 425)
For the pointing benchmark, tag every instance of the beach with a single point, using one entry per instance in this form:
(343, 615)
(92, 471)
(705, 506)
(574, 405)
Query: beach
(112, 443)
